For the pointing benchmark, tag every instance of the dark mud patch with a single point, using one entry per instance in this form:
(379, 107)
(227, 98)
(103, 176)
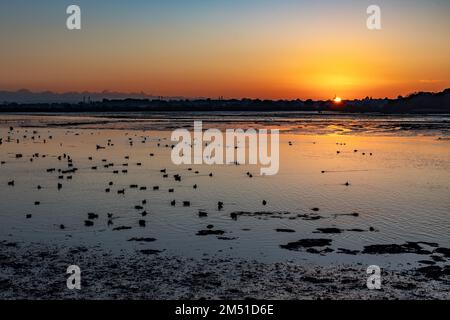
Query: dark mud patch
(316, 279)
(348, 251)
(259, 214)
(121, 228)
(443, 251)
(226, 238)
(309, 217)
(9, 244)
(353, 214)
(435, 272)
(404, 286)
(337, 230)
(319, 251)
(409, 247)
(285, 230)
(306, 243)
(150, 251)
(265, 215)
(208, 232)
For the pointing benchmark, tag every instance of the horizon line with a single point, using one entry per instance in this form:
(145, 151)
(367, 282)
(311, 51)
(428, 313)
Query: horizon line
(146, 95)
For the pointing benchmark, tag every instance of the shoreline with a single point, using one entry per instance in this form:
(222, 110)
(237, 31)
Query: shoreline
(39, 272)
(286, 122)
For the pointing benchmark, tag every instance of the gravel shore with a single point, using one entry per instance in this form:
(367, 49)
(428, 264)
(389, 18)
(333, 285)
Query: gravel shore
(39, 272)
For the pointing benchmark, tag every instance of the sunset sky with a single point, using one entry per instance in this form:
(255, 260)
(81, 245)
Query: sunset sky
(246, 48)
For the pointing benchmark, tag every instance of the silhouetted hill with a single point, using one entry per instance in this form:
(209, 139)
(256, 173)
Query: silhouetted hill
(422, 102)
(27, 96)
(417, 103)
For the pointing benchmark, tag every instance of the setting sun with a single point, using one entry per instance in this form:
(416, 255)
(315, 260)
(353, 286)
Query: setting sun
(337, 100)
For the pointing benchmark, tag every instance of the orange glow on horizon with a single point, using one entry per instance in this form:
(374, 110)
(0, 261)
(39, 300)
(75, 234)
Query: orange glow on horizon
(303, 51)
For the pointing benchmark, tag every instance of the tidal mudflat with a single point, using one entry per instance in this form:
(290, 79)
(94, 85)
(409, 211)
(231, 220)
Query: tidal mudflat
(102, 193)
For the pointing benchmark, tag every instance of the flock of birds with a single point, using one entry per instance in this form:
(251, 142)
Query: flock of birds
(68, 170)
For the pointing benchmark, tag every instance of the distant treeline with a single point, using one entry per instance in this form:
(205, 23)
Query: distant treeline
(418, 103)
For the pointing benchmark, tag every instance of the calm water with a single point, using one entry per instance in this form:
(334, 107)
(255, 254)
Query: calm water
(402, 190)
